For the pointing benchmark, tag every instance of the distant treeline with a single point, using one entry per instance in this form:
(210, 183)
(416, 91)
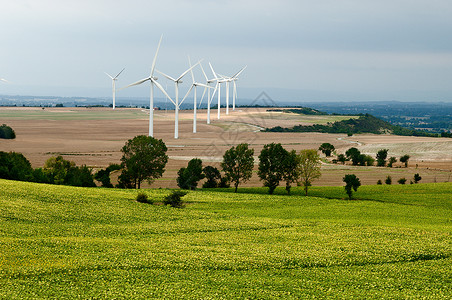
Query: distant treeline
(7, 132)
(301, 110)
(364, 124)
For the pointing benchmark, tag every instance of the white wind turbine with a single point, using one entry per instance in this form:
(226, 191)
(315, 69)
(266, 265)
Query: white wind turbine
(176, 103)
(194, 86)
(153, 81)
(113, 80)
(232, 79)
(217, 86)
(209, 99)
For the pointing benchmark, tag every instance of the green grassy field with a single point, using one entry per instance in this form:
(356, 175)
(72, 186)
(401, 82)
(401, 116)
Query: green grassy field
(65, 242)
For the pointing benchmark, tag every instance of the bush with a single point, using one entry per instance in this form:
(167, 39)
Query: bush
(388, 180)
(379, 182)
(175, 199)
(402, 180)
(142, 198)
(7, 132)
(417, 178)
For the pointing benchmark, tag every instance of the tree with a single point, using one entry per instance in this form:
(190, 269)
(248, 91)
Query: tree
(353, 154)
(57, 168)
(144, 158)
(402, 180)
(7, 132)
(388, 180)
(271, 165)
(351, 182)
(417, 178)
(369, 160)
(104, 175)
(342, 158)
(326, 149)
(238, 163)
(189, 177)
(213, 177)
(309, 167)
(404, 159)
(290, 169)
(392, 160)
(382, 154)
(15, 166)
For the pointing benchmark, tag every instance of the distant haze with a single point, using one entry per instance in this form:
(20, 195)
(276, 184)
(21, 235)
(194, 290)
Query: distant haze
(323, 50)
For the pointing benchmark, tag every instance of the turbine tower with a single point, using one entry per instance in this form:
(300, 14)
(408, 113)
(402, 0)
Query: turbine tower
(232, 79)
(153, 81)
(113, 80)
(209, 99)
(217, 86)
(176, 103)
(194, 86)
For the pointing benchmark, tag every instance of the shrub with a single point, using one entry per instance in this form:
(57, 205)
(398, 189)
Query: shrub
(7, 132)
(175, 199)
(388, 180)
(351, 183)
(379, 182)
(142, 198)
(417, 178)
(402, 180)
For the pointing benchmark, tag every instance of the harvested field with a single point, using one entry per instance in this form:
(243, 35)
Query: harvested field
(94, 136)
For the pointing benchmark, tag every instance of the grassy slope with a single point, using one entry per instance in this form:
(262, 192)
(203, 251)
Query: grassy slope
(63, 242)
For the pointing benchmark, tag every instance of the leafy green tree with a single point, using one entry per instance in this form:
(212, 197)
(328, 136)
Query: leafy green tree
(388, 180)
(238, 163)
(392, 160)
(369, 160)
(402, 180)
(213, 177)
(143, 158)
(57, 168)
(326, 149)
(189, 177)
(15, 166)
(351, 182)
(382, 154)
(7, 132)
(80, 176)
(417, 178)
(271, 165)
(354, 155)
(104, 175)
(290, 166)
(404, 159)
(342, 158)
(308, 167)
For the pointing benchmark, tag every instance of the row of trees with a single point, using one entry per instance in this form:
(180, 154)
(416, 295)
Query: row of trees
(359, 159)
(276, 165)
(56, 170)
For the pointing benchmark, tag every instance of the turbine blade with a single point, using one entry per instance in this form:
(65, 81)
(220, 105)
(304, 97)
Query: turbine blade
(191, 71)
(188, 92)
(202, 69)
(135, 83)
(4, 80)
(183, 74)
(119, 73)
(108, 75)
(211, 68)
(204, 85)
(202, 97)
(155, 56)
(214, 91)
(160, 87)
(239, 72)
(167, 76)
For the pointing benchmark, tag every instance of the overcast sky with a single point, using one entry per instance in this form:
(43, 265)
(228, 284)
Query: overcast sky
(295, 50)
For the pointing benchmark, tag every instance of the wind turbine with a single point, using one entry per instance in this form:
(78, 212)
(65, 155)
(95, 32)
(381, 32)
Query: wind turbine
(153, 81)
(232, 79)
(194, 86)
(209, 99)
(113, 80)
(176, 103)
(217, 86)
